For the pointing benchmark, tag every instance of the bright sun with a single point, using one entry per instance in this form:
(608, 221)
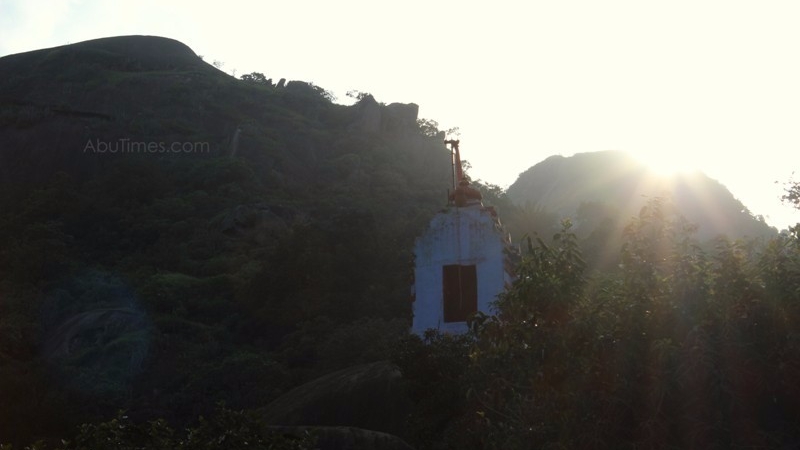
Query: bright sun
(664, 163)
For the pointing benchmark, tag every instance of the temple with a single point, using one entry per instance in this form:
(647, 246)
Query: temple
(462, 261)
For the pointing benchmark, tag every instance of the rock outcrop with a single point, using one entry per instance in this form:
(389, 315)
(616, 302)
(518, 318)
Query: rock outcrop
(369, 396)
(348, 438)
(92, 327)
(400, 116)
(373, 117)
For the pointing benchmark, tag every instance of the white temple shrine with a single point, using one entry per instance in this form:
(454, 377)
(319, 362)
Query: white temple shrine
(462, 261)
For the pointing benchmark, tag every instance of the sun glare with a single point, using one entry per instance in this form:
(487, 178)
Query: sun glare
(668, 164)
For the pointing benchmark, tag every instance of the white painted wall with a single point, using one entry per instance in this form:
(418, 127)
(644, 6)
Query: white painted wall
(465, 236)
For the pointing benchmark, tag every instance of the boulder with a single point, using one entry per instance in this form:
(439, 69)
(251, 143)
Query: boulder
(400, 117)
(373, 117)
(369, 396)
(99, 352)
(90, 328)
(347, 438)
(368, 116)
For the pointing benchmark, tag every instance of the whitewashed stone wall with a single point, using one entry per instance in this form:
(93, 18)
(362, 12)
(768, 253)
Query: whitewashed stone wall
(466, 236)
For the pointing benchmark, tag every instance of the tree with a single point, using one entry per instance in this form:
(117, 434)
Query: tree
(792, 194)
(674, 349)
(257, 78)
(358, 95)
(428, 127)
(530, 356)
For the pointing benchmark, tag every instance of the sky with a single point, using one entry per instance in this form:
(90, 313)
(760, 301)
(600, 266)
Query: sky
(681, 85)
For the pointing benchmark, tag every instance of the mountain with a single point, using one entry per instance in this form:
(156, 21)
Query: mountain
(172, 236)
(60, 107)
(598, 187)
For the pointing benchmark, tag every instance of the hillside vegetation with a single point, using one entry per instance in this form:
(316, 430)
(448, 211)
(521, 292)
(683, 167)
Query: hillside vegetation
(258, 273)
(163, 282)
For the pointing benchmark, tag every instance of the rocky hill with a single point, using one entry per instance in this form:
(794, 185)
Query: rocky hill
(610, 186)
(172, 236)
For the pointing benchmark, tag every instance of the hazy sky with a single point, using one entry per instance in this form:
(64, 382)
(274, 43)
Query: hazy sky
(713, 85)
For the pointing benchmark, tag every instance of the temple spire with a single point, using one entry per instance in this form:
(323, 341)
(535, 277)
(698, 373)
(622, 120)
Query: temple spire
(463, 194)
(458, 169)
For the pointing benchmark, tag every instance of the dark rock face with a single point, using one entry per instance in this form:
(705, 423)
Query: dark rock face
(348, 438)
(99, 352)
(373, 117)
(368, 116)
(69, 108)
(400, 116)
(368, 396)
(124, 53)
(91, 326)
